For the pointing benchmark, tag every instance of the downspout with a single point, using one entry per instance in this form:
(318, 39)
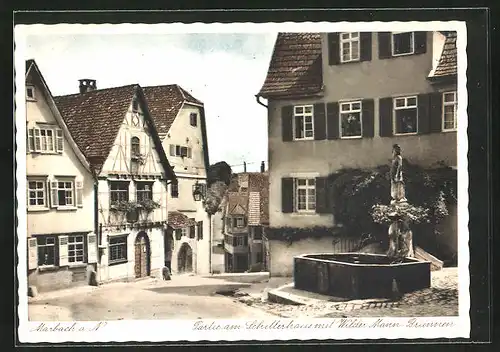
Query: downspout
(257, 97)
(97, 229)
(210, 243)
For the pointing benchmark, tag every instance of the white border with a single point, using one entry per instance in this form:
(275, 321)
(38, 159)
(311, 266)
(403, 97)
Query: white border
(182, 330)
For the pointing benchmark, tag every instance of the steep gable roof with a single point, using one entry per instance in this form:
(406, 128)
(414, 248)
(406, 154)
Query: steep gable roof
(165, 102)
(296, 66)
(32, 68)
(237, 203)
(95, 117)
(447, 65)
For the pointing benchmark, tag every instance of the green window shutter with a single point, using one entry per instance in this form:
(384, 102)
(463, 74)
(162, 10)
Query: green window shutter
(368, 118)
(319, 121)
(287, 195)
(287, 123)
(365, 46)
(333, 49)
(384, 45)
(332, 116)
(385, 117)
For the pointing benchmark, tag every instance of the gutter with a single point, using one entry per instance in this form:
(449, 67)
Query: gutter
(257, 97)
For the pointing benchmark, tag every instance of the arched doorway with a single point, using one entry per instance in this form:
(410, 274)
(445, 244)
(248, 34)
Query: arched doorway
(185, 259)
(142, 255)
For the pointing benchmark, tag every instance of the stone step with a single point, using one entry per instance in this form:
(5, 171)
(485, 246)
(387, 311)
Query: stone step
(436, 264)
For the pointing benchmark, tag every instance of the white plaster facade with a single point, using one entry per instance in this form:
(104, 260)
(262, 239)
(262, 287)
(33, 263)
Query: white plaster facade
(190, 170)
(61, 242)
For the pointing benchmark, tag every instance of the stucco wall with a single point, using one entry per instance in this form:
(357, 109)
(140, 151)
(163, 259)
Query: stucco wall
(448, 229)
(370, 79)
(49, 166)
(60, 278)
(107, 272)
(282, 253)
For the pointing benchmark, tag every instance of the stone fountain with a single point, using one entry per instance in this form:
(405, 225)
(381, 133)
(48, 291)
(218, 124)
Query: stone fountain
(363, 275)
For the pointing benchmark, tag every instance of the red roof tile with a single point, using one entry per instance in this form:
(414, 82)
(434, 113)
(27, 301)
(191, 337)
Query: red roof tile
(177, 220)
(164, 103)
(447, 65)
(296, 66)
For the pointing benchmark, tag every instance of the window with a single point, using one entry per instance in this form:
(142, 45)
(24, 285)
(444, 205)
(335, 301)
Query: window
(144, 191)
(304, 124)
(178, 150)
(45, 140)
(117, 249)
(199, 226)
(305, 194)
(135, 105)
(449, 111)
(350, 119)
(118, 192)
(349, 47)
(405, 115)
(135, 146)
(46, 250)
(184, 231)
(257, 233)
(240, 221)
(193, 119)
(240, 241)
(174, 190)
(37, 194)
(192, 231)
(76, 249)
(65, 193)
(178, 234)
(403, 43)
(30, 93)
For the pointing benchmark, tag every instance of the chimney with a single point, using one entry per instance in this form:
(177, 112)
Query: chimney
(87, 85)
(244, 166)
(262, 167)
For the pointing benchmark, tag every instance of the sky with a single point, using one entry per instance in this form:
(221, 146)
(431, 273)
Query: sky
(223, 70)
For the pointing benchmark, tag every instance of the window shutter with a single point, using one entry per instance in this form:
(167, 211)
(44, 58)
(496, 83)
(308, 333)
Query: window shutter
(423, 111)
(436, 112)
(59, 141)
(32, 254)
(30, 145)
(63, 250)
(319, 121)
(368, 118)
(384, 45)
(234, 222)
(322, 201)
(287, 123)
(287, 195)
(420, 42)
(365, 46)
(79, 193)
(91, 248)
(333, 49)
(54, 199)
(38, 142)
(332, 116)
(174, 190)
(172, 149)
(385, 117)
(178, 234)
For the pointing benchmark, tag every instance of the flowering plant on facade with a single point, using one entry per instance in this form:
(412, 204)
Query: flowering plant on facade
(148, 205)
(124, 206)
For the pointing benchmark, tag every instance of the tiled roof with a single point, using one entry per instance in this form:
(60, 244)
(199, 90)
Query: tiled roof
(94, 118)
(236, 200)
(177, 220)
(296, 66)
(164, 103)
(447, 65)
(264, 207)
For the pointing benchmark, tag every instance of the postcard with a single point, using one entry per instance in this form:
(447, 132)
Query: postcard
(244, 181)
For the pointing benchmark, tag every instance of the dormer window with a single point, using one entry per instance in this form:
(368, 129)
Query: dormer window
(30, 93)
(193, 119)
(403, 43)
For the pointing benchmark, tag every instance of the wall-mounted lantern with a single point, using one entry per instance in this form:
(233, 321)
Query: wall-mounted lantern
(198, 191)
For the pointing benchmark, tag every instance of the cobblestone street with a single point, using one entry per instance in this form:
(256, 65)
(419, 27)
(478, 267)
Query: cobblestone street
(441, 299)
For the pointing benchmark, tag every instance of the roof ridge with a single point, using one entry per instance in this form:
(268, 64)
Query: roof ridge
(98, 90)
(182, 91)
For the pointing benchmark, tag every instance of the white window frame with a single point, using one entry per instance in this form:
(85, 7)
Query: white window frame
(33, 92)
(296, 115)
(193, 117)
(453, 103)
(72, 190)
(349, 38)
(349, 111)
(36, 140)
(405, 107)
(185, 231)
(309, 189)
(73, 242)
(111, 245)
(53, 245)
(43, 181)
(412, 43)
(240, 222)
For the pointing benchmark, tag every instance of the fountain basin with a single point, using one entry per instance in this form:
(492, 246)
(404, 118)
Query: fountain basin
(359, 275)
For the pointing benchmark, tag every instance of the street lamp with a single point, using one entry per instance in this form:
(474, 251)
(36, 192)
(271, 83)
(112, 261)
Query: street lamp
(198, 191)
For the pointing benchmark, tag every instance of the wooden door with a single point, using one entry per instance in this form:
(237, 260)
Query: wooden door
(141, 257)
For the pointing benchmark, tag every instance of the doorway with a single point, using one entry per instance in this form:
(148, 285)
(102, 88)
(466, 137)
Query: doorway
(142, 255)
(185, 259)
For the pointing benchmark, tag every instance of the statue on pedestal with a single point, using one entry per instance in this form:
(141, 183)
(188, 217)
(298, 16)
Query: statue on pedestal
(397, 183)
